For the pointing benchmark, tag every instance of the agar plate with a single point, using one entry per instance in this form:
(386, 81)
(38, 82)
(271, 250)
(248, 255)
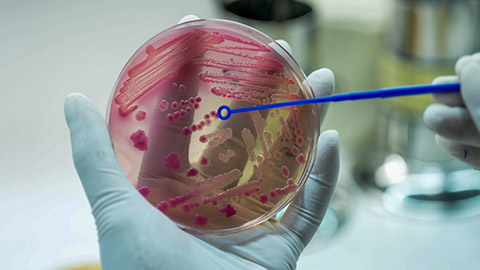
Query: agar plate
(208, 175)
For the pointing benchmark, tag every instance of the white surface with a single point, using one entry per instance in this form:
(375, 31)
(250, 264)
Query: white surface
(51, 48)
(45, 217)
(47, 50)
(375, 240)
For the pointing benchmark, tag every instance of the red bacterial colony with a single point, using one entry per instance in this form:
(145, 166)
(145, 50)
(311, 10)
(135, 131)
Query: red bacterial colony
(204, 161)
(200, 219)
(227, 210)
(140, 115)
(270, 165)
(300, 158)
(263, 198)
(140, 140)
(172, 161)
(163, 206)
(206, 174)
(192, 172)
(163, 105)
(295, 150)
(144, 191)
(285, 171)
(186, 131)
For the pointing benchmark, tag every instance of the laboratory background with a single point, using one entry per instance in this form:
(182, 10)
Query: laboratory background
(401, 202)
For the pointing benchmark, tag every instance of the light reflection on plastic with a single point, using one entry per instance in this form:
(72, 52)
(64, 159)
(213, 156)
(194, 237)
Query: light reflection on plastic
(392, 171)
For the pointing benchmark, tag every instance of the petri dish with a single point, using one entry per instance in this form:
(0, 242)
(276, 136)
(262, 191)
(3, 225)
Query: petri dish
(208, 175)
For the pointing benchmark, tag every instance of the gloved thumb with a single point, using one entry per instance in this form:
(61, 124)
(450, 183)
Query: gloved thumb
(469, 74)
(102, 178)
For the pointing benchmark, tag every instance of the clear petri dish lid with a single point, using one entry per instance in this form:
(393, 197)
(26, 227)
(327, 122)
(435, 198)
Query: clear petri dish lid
(208, 175)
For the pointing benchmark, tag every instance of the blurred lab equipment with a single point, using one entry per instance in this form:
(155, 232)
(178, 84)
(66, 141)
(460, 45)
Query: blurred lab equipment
(290, 20)
(417, 178)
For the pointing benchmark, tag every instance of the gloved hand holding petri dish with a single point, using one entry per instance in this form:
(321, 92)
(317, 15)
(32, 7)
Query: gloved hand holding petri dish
(207, 175)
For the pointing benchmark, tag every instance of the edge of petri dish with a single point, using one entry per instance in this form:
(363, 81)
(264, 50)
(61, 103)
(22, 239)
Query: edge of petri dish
(307, 91)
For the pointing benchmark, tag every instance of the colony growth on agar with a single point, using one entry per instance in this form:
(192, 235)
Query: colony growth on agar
(209, 175)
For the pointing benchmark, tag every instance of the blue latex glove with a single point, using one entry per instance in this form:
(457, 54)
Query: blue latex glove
(456, 117)
(135, 235)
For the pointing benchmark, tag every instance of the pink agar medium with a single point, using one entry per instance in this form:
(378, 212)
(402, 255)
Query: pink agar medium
(205, 174)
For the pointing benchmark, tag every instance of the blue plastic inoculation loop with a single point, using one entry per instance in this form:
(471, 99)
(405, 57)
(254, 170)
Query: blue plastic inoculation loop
(224, 108)
(381, 93)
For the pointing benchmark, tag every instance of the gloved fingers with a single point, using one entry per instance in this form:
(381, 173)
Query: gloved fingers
(470, 87)
(188, 18)
(285, 45)
(322, 82)
(465, 61)
(306, 212)
(95, 161)
(461, 62)
(450, 99)
(453, 123)
(466, 153)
